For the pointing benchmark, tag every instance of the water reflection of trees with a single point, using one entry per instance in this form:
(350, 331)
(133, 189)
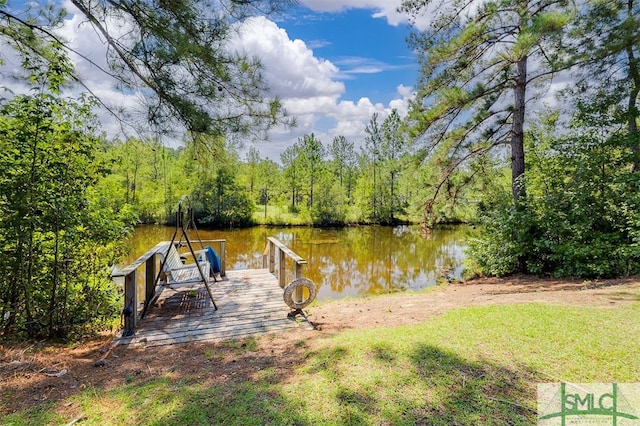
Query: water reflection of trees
(374, 260)
(345, 262)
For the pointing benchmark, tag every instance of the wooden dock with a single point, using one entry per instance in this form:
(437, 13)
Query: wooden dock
(249, 303)
(174, 309)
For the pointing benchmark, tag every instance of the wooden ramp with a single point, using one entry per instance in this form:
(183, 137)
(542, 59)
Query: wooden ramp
(249, 303)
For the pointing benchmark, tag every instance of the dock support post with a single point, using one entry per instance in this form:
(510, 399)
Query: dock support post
(298, 270)
(272, 257)
(223, 251)
(149, 281)
(130, 311)
(281, 267)
(297, 294)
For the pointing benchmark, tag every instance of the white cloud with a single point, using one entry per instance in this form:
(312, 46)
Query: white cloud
(386, 9)
(401, 104)
(290, 66)
(82, 40)
(358, 65)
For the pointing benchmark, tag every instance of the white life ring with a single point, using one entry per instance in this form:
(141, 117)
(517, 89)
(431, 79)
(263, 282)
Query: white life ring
(301, 284)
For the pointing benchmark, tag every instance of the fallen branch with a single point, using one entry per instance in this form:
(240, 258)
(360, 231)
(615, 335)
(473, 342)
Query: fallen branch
(58, 374)
(79, 419)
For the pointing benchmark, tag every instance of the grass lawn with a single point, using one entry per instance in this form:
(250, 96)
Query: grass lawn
(469, 366)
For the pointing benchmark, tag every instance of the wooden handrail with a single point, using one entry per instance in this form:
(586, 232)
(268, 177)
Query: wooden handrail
(139, 261)
(268, 260)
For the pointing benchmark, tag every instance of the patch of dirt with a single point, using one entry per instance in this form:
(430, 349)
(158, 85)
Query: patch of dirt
(412, 308)
(37, 373)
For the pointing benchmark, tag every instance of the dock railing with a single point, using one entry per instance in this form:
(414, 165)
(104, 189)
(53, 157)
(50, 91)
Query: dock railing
(150, 262)
(277, 250)
(301, 291)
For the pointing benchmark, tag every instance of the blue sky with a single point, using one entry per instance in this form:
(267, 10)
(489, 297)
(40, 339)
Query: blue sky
(334, 63)
(372, 55)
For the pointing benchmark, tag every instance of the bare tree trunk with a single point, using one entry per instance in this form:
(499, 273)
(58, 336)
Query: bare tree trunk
(311, 186)
(128, 186)
(517, 133)
(266, 201)
(633, 129)
(135, 181)
(634, 76)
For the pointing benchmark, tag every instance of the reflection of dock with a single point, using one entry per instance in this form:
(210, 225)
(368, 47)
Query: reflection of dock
(249, 302)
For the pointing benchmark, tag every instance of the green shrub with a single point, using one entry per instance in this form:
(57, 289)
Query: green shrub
(58, 238)
(581, 215)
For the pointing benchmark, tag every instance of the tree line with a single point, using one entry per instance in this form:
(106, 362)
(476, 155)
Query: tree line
(314, 183)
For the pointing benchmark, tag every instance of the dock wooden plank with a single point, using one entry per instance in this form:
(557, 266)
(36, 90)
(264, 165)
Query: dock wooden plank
(212, 334)
(249, 303)
(208, 320)
(211, 337)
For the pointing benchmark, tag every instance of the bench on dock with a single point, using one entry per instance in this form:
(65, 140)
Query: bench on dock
(176, 272)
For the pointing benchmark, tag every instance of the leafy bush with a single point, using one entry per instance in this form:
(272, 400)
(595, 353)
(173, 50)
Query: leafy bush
(581, 216)
(58, 240)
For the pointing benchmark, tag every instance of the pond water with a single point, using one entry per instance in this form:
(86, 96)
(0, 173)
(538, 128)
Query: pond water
(346, 262)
